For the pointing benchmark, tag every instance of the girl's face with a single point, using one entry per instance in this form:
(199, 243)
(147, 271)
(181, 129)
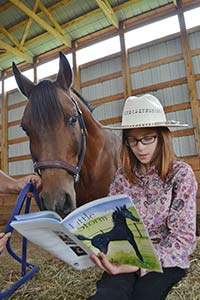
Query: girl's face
(143, 143)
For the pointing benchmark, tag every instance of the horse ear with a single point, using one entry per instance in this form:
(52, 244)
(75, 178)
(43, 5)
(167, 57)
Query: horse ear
(64, 77)
(25, 85)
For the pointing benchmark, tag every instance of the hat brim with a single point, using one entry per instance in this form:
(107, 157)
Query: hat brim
(167, 124)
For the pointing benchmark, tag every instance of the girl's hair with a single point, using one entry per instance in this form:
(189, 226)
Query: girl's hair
(162, 160)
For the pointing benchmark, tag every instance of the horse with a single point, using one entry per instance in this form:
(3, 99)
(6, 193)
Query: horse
(119, 232)
(74, 155)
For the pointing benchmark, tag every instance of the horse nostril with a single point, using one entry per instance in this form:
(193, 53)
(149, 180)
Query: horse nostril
(66, 207)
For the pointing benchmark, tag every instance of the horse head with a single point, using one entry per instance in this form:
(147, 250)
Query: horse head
(53, 129)
(124, 213)
(54, 120)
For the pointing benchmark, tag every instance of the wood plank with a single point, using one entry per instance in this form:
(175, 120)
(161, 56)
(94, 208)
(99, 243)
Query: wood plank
(101, 79)
(156, 63)
(193, 161)
(190, 74)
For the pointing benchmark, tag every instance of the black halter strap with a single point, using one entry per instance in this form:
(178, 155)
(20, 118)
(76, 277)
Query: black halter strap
(61, 164)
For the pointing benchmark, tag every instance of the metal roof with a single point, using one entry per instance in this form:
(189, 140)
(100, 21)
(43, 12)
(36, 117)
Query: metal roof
(30, 28)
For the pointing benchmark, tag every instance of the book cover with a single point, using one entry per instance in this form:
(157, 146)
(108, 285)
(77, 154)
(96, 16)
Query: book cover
(111, 225)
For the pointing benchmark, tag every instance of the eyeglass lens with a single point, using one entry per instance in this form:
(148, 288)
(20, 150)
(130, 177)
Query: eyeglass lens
(146, 140)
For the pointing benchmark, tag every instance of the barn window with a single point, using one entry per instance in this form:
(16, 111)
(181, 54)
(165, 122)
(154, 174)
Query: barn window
(10, 83)
(98, 50)
(192, 18)
(152, 31)
(50, 68)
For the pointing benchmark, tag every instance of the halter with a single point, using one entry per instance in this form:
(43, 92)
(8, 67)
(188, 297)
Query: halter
(61, 164)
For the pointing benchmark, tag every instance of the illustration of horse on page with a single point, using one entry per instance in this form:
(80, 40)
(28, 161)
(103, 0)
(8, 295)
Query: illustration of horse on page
(119, 232)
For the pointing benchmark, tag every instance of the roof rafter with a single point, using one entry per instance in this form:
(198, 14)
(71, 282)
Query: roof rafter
(42, 23)
(108, 12)
(28, 25)
(15, 51)
(6, 33)
(19, 51)
(53, 21)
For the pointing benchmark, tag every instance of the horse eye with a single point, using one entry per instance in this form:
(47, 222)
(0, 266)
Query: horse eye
(73, 120)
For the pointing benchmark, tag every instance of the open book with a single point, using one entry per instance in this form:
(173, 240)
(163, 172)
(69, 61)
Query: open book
(111, 225)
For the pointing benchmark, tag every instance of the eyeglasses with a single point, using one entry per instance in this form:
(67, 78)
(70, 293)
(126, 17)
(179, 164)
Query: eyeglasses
(146, 140)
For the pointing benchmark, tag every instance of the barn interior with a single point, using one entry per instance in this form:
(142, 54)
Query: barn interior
(115, 50)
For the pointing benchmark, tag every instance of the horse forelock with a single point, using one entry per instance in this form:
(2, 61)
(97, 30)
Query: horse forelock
(45, 107)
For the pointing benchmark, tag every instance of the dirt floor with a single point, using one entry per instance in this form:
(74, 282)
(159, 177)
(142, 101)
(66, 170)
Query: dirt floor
(56, 281)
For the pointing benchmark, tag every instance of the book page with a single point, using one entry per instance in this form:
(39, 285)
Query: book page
(53, 237)
(39, 214)
(112, 225)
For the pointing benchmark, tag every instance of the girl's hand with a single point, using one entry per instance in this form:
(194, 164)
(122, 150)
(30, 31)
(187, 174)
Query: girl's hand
(103, 263)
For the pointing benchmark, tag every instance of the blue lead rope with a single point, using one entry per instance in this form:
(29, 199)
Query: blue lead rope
(22, 200)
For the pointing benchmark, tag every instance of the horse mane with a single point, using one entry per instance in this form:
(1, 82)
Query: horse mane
(88, 105)
(44, 105)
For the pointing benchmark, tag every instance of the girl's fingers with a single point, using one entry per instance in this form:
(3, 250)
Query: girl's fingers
(97, 261)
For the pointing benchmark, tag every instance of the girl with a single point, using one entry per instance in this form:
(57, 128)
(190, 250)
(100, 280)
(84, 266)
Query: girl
(164, 191)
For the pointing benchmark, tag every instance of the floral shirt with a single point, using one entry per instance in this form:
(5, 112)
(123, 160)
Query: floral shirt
(168, 210)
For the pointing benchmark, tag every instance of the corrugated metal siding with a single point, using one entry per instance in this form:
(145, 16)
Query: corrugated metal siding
(18, 149)
(140, 7)
(158, 74)
(194, 39)
(100, 69)
(15, 97)
(20, 167)
(173, 95)
(183, 116)
(198, 88)
(155, 52)
(109, 110)
(196, 64)
(103, 89)
(184, 146)
(15, 114)
(15, 132)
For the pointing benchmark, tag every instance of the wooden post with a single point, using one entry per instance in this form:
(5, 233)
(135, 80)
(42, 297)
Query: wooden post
(76, 83)
(190, 76)
(4, 123)
(125, 65)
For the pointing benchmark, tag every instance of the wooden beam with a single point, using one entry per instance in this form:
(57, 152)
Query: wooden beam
(4, 130)
(9, 36)
(54, 22)
(15, 51)
(42, 23)
(190, 76)
(125, 67)
(28, 25)
(108, 12)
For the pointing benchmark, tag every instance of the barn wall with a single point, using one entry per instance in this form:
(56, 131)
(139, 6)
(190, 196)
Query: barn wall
(158, 67)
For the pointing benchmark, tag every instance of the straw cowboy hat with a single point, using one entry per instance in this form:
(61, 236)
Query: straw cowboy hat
(144, 111)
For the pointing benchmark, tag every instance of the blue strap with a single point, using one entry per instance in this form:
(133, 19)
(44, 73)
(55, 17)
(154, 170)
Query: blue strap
(30, 187)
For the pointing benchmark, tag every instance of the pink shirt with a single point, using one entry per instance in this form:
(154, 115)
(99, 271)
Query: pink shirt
(168, 210)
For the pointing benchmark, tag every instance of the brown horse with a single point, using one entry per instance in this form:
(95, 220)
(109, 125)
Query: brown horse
(59, 124)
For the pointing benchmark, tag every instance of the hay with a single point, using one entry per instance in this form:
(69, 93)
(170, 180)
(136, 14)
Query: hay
(61, 282)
